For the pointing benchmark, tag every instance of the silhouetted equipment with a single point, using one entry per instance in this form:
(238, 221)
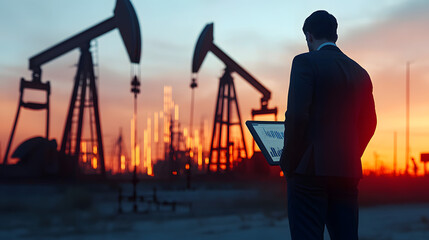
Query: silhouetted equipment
(226, 98)
(120, 154)
(424, 158)
(135, 89)
(38, 157)
(135, 86)
(124, 19)
(178, 155)
(33, 85)
(150, 200)
(416, 168)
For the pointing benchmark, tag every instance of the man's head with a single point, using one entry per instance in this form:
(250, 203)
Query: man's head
(320, 27)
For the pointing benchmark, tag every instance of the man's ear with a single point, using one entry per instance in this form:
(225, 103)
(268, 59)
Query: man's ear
(309, 37)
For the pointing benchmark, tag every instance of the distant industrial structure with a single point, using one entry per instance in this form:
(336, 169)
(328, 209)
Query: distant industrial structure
(221, 156)
(76, 151)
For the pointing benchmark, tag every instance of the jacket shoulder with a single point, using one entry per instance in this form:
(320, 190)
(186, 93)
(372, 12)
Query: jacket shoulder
(303, 58)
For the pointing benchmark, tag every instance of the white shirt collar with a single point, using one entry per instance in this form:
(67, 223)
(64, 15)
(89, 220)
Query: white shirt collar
(326, 44)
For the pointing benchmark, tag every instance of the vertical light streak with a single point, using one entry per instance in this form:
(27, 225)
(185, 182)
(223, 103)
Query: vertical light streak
(83, 147)
(394, 153)
(200, 156)
(231, 158)
(145, 148)
(176, 112)
(196, 142)
(132, 142)
(159, 149)
(206, 136)
(167, 112)
(122, 163)
(94, 162)
(149, 148)
(138, 155)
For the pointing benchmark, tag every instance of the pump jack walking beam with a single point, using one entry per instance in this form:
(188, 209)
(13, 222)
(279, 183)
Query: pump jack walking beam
(205, 44)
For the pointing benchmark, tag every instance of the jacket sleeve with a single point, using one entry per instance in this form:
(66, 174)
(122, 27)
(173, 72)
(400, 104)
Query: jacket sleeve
(299, 102)
(367, 116)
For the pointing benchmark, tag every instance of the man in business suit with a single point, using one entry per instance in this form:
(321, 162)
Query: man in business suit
(330, 119)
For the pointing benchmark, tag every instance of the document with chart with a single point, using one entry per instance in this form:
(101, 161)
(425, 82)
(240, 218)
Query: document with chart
(269, 136)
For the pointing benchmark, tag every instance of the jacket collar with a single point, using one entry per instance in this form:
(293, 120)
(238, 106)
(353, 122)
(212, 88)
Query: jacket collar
(326, 44)
(330, 48)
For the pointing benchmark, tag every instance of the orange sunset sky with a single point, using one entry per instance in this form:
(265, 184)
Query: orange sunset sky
(262, 36)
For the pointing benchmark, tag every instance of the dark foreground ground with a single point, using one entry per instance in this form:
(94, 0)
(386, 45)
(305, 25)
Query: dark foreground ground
(391, 208)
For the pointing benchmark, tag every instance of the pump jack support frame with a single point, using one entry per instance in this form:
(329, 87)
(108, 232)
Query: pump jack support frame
(84, 73)
(226, 83)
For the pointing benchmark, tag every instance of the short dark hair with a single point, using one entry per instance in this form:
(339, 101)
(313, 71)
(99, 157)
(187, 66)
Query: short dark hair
(322, 25)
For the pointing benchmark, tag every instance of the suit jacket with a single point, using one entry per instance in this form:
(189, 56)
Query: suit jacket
(330, 115)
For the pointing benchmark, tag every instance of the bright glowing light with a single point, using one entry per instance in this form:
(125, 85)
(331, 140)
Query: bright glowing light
(187, 166)
(145, 147)
(149, 148)
(149, 168)
(200, 156)
(94, 150)
(94, 162)
(206, 135)
(122, 162)
(83, 150)
(281, 174)
(231, 159)
(189, 142)
(196, 144)
(167, 112)
(174, 172)
(206, 161)
(138, 155)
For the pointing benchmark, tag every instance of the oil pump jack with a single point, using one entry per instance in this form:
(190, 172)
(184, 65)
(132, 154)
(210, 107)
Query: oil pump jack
(125, 20)
(226, 98)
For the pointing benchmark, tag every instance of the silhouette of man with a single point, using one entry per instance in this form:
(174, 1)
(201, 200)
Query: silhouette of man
(330, 119)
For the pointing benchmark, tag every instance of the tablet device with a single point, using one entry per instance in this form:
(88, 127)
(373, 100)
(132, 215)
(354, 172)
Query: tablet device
(269, 135)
